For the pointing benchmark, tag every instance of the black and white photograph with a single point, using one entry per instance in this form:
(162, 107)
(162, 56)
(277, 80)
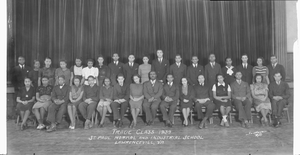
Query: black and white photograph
(157, 77)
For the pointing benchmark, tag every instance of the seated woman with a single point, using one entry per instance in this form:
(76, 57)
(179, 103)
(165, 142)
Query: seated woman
(187, 94)
(25, 99)
(222, 95)
(262, 103)
(75, 97)
(106, 97)
(43, 97)
(136, 98)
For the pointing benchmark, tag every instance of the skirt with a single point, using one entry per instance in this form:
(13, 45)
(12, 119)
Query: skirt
(102, 104)
(186, 105)
(44, 105)
(22, 107)
(75, 103)
(261, 106)
(136, 104)
(225, 104)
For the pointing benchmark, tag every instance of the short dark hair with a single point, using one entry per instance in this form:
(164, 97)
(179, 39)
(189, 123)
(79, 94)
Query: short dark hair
(48, 58)
(238, 71)
(245, 55)
(120, 75)
(21, 57)
(100, 56)
(219, 75)
(63, 60)
(277, 73)
(256, 75)
(76, 77)
(228, 58)
(90, 60)
(45, 77)
(62, 76)
(273, 56)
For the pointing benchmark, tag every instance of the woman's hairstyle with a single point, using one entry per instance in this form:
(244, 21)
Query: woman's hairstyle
(184, 78)
(262, 59)
(48, 58)
(27, 78)
(219, 75)
(106, 79)
(76, 77)
(256, 75)
(137, 75)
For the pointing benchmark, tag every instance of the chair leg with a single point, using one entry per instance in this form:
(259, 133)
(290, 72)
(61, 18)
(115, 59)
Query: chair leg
(18, 121)
(96, 119)
(93, 116)
(173, 121)
(191, 116)
(288, 115)
(230, 119)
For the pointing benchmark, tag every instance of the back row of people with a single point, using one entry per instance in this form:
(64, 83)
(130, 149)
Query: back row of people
(160, 66)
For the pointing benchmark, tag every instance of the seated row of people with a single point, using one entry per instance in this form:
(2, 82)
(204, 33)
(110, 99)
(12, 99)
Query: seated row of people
(150, 96)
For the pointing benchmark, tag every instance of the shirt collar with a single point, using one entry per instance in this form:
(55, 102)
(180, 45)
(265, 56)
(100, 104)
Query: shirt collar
(152, 82)
(170, 83)
(201, 84)
(60, 86)
(223, 84)
(178, 63)
(231, 67)
(22, 65)
(275, 64)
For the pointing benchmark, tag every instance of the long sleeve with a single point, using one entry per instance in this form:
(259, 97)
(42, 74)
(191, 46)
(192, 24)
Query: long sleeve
(160, 92)
(206, 72)
(233, 95)
(101, 95)
(167, 71)
(176, 97)
(96, 98)
(282, 73)
(67, 90)
(192, 93)
(53, 94)
(127, 91)
(286, 91)
(248, 92)
(84, 94)
(146, 94)
(271, 91)
(116, 93)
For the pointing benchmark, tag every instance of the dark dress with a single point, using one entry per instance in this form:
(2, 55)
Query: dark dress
(189, 96)
(222, 91)
(44, 93)
(25, 96)
(34, 76)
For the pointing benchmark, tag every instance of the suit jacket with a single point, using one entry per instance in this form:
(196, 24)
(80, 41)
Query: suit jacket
(210, 73)
(130, 71)
(178, 72)
(172, 92)
(161, 69)
(278, 68)
(155, 91)
(193, 73)
(242, 90)
(279, 90)
(91, 92)
(19, 75)
(202, 92)
(115, 70)
(247, 73)
(62, 94)
(121, 92)
(190, 93)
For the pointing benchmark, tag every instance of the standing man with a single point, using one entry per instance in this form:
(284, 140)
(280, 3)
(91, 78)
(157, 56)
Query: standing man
(203, 98)
(170, 98)
(153, 90)
(229, 71)
(178, 70)
(194, 71)
(274, 67)
(120, 99)
(116, 68)
(19, 73)
(90, 99)
(246, 70)
(130, 69)
(58, 107)
(279, 94)
(211, 70)
(241, 95)
(160, 66)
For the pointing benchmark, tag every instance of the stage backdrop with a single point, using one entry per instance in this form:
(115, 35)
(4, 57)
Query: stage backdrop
(66, 29)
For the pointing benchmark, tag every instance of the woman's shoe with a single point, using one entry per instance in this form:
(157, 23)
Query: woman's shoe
(131, 125)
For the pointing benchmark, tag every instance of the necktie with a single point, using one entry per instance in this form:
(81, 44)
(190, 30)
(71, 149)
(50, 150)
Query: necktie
(22, 66)
(212, 65)
(273, 66)
(131, 64)
(178, 65)
(245, 67)
(239, 82)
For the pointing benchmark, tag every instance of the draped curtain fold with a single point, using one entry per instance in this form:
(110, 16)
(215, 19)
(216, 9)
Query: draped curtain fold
(66, 29)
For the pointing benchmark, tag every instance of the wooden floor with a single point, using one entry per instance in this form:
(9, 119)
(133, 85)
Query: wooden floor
(214, 140)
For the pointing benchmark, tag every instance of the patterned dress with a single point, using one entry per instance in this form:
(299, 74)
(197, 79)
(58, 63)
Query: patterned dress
(45, 94)
(260, 90)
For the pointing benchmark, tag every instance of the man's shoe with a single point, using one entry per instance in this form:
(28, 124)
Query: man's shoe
(117, 123)
(52, 128)
(222, 123)
(120, 124)
(201, 124)
(86, 124)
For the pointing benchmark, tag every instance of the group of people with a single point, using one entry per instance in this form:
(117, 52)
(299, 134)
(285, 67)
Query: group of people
(147, 87)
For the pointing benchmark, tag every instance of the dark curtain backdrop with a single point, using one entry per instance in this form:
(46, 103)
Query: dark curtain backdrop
(66, 29)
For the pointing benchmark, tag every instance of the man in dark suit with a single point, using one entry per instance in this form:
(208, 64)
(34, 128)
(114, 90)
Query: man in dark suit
(153, 89)
(193, 71)
(160, 66)
(130, 69)
(58, 107)
(19, 73)
(170, 98)
(116, 68)
(121, 99)
(211, 70)
(240, 93)
(279, 95)
(274, 67)
(246, 70)
(178, 70)
(203, 98)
